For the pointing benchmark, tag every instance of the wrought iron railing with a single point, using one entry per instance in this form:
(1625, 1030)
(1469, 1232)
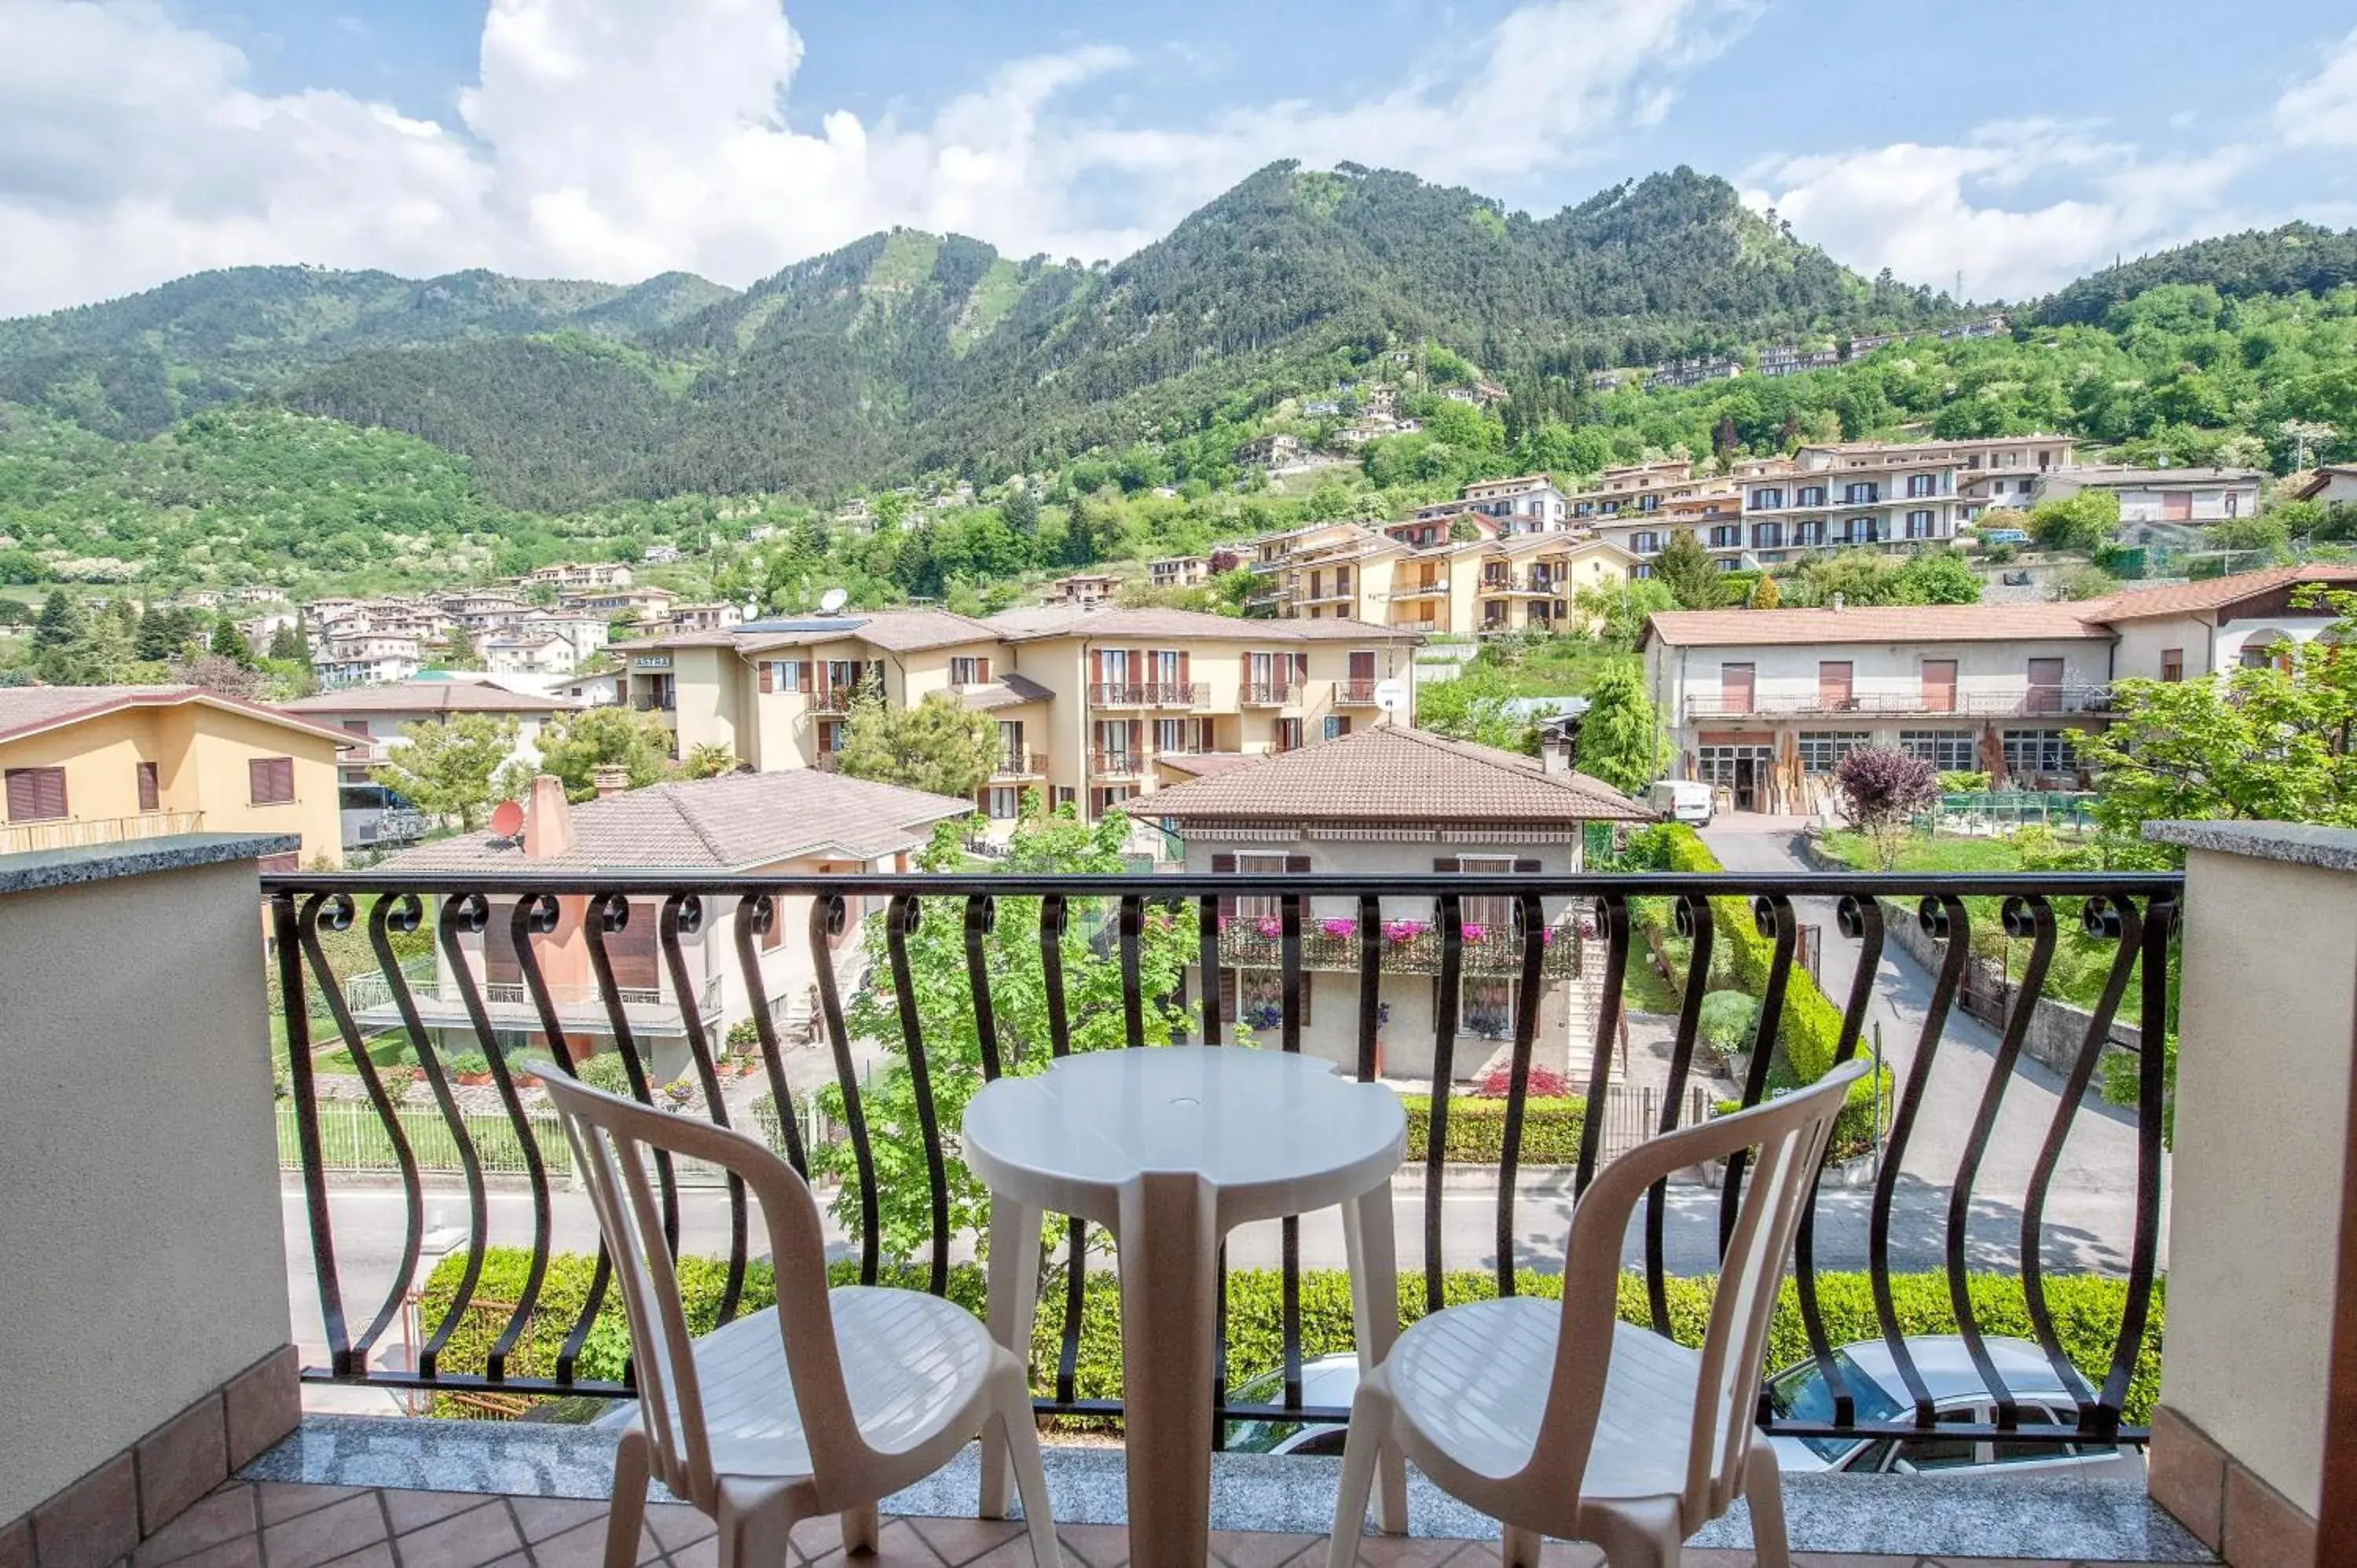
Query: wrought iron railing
(2029, 702)
(2124, 930)
(1148, 695)
(1269, 693)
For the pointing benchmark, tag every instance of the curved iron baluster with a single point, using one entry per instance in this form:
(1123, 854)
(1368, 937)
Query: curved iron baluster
(1691, 920)
(757, 915)
(828, 916)
(336, 910)
(1771, 916)
(607, 913)
(981, 920)
(2020, 917)
(1942, 919)
(1054, 921)
(2108, 918)
(1518, 1079)
(2160, 918)
(296, 1002)
(682, 915)
(468, 913)
(1054, 918)
(1131, 924)
(901, 919)
(1444, 1069)
(1371, 982)
(1207, 961)
(1612, 921)
(1290, 979)
(1860, 920)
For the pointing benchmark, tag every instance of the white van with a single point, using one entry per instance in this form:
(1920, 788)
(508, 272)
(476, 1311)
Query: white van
(1681, 799)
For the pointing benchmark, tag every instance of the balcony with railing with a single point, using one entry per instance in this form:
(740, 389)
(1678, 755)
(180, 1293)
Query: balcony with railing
(1436, 588)
(1148, 694)
(654, 702)
(1269, 693)
(1357, 691)
(1021, 765)
(1117, 763)
(2089, 699)
(1986, 1194)
(74, 833)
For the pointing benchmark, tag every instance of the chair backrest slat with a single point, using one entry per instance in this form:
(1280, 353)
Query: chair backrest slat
(613, 1141)
(1789, 1136)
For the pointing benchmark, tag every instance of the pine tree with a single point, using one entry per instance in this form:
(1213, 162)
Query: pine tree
(1021, 510)
(288, 642)
(61, 623)
(1620, 741)
(1765, 595)
(230, 642)
(1686, 568)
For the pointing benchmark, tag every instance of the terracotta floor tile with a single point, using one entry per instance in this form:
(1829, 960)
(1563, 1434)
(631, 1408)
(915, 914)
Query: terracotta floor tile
(377, 1556)
(676, 1525)
(280, 1500)
(1405, 1551)
(325, 1533)
(1014, 1553)
(1096, 1545)
(413, 1511)
(704, 1554)
(224, 1516)
(462, 1540)
(540, 1517)
(1261, 1548)
(1572, 1554)
(245, 1552)
(961, 1540)
(583, 1546)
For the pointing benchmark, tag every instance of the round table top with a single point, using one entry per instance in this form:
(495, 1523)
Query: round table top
(1275, 1133)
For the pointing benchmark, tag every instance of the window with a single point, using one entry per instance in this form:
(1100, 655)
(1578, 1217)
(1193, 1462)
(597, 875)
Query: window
(1260, 998)
(1649, 503)
(1645, 543)
(1335, 726)
(1004, 803)
(270, 780)
(1288, 734)
(1170, 736)
(785, 675)
(1809, 534)
(1726, 537)
(1923, 484)
(1259, 864)
(1862, 492)
(1767, 498)
(1864, 531)
(1341, 581)
(1821, 750)
(1949, 750)
(1641, 569)
(1486, 1008)
(356, 726)
(2037, 751)
(969, 671)
(1810, 495)
(151, 794)
(2173, 664)
(1494, 912)
(36, 794)
(1766, 535)
(1919, 523)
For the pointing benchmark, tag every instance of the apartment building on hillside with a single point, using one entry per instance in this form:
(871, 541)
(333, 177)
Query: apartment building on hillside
(2160, 495)
(1085, 699)
(1765, 704)
(1493, 582)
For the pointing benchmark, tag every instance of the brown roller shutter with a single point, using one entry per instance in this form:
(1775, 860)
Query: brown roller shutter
(1446, 862)
(1296, 864)
(1526, 868)
(1225, 865)
(1227, 996)
(769, 677)
(36, 794)
(151, 794)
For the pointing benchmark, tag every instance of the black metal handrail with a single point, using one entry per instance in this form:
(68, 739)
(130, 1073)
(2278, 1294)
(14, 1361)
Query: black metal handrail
(2136, 911)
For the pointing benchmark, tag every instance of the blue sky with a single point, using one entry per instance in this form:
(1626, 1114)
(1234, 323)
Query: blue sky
(2017, 144)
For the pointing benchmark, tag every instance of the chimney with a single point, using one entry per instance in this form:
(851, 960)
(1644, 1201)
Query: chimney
(611, 781)
(1837, 601)
(1554, 752)
(547, 818)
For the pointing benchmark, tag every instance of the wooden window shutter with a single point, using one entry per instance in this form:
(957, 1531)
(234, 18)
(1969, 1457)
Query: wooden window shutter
(1136, 736)
(150, 794)
(1096, 667)
(1446, 862)
(36, 794)
(1244, 673)
(1295, 864)
(1526, 868)
(769, 677)
(1308, 988)
(1221, 866)
(1300, 667)
(981, 669)
(1227, 995)
(270, 780)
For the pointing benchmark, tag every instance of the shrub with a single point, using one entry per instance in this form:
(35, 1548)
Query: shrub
(745, 1034)
(1544, 1083)
(604, 1070)
(1880, 790)
(1476, 1130)
(2086, 1309)
(470, 1063)
(1954, 783)
(1728, 1019)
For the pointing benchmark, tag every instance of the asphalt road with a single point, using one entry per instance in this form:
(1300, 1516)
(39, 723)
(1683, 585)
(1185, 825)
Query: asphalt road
(2089, 1218)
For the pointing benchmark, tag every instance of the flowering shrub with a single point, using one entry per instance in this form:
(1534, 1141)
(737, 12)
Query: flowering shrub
(1544, 1083)
(1475, 933)
(1405, 931)
(1271, 926)
(1338, 929)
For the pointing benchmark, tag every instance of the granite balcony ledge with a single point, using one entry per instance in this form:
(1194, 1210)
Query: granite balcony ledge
(1277, 1501)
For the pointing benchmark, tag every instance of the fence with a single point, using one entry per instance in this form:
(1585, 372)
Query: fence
(355, 1139)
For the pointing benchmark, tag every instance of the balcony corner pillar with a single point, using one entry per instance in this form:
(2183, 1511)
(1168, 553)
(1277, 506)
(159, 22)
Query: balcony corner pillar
(2254, 1441)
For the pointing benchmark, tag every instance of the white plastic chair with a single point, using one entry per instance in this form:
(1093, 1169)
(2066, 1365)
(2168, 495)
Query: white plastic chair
(824, 1404)
(1557, 1419)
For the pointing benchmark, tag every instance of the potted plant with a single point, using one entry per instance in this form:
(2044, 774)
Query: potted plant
(471, 1068)
(1728, 1022)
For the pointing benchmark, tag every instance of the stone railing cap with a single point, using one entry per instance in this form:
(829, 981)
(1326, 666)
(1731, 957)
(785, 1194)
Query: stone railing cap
(37, 869)
(2296, 843)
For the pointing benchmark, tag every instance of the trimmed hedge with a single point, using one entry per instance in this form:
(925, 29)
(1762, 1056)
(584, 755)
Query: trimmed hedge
(1477, 1129)
(2086, 1309)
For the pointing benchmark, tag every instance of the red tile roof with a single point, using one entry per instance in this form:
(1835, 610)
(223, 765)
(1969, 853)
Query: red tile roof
(1393, 774)
(1874, 622)
(2216, 593)
(27, 710)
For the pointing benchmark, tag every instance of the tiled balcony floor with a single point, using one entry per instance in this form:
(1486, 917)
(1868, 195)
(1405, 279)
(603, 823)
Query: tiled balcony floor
(273, 1524)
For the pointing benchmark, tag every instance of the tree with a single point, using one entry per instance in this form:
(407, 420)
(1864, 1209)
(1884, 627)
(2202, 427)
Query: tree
(1042, 843)
(446, 769)
(288, 642)
(1937, 579)
(1686, 568)
(1880, 790)
(573, 746)
(1765, 595)
(458, 650)
(61, 623)
(220, 672)
(1021, 510)
(1463, 532)
(229, 642)
(1620, 741)
(710, 760)
(2086, 521)
(937, 746)
(1618, 611)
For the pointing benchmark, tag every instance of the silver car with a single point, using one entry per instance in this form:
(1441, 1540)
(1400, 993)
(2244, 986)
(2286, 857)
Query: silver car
(1799, 1393)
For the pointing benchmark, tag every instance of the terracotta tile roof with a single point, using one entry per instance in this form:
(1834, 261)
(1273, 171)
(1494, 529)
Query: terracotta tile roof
(735, 824)
(2216, 593)
(901, 631)
(2320, 479)
(1008, 691)
(1204, 764)
(25, 710)
(427, 697)
(1023, 626)
(1394, 774)
(1882, 623)
(2106, 474)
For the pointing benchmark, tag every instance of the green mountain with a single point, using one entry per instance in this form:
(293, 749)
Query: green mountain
(2298, 258)
(129, 367)
(906, 351)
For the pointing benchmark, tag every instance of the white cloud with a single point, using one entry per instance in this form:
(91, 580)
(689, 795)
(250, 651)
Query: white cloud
(1928, 212)
(2321, 112)
(617, 138)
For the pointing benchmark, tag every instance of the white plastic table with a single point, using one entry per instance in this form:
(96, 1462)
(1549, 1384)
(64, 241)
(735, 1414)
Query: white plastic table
(1169, 1148)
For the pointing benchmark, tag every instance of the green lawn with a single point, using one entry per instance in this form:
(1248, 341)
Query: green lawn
(1943, 852)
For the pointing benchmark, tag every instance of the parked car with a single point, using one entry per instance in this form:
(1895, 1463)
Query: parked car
(1797, 1394)
(1800, 1393)
(1329, 1380)
(1681, 801)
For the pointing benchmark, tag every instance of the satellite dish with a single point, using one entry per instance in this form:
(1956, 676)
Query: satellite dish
(507, 819)
(833, 600)
(1391, 696)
